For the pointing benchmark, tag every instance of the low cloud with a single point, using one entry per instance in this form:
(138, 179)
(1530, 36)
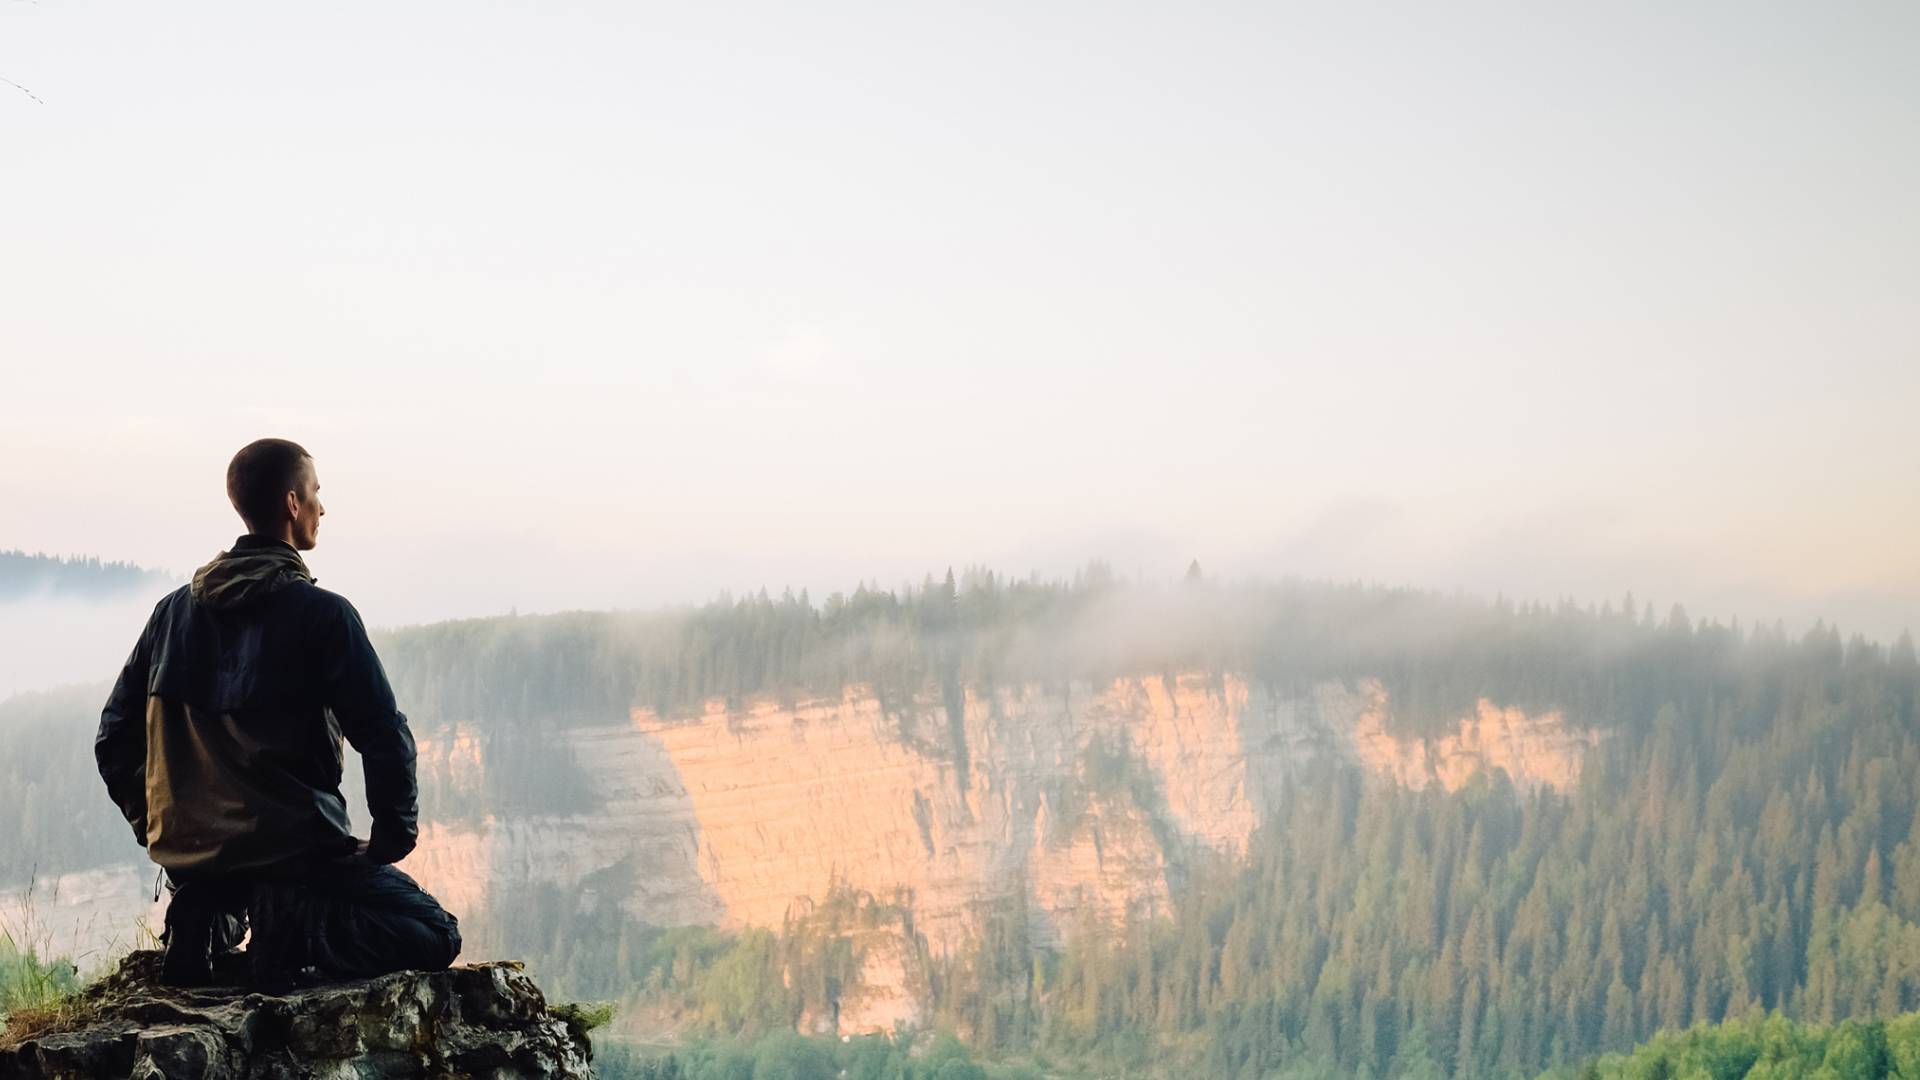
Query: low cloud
(47, 641)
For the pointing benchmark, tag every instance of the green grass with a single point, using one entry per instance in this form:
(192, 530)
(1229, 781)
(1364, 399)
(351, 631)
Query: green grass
(35, 994)
(39, 991)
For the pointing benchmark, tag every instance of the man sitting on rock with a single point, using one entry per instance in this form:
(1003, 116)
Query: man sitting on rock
(221, 743)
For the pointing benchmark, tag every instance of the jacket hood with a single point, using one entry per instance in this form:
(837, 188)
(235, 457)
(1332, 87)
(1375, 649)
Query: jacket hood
(255, 567)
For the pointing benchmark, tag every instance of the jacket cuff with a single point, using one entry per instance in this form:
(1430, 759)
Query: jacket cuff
(389, 843)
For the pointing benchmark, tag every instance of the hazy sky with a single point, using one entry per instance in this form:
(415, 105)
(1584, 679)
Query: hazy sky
(607, 304)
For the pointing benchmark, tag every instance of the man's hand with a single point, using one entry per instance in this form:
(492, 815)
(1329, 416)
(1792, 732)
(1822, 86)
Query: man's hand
(387, 846)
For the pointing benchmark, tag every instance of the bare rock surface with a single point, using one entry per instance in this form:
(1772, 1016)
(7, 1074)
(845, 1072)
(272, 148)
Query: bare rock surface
(485, 1020)
(744, 813)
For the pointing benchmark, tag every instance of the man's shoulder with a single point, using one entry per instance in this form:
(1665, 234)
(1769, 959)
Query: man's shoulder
(177, 600)
(321, 600)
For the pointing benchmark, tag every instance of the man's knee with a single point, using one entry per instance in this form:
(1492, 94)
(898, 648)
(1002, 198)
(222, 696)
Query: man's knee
(429, 933)
(442, 947)
(436, 933)
(383, 921)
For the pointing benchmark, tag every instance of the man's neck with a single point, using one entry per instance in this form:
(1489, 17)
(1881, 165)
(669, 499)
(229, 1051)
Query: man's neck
(284, 534)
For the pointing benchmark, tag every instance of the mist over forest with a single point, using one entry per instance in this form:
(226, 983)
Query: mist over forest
(70, 619)
(1744, 835)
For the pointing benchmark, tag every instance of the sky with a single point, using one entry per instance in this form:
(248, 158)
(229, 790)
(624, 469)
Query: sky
(615, 304)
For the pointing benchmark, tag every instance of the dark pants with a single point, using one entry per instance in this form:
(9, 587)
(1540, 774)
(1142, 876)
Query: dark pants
(339, 919)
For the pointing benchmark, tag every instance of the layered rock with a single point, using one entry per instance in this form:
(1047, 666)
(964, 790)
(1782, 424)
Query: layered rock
(487, 1020)
(735, 816)
(1534, 751)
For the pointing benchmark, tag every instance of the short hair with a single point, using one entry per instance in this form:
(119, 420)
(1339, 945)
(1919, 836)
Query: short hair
(259, 477)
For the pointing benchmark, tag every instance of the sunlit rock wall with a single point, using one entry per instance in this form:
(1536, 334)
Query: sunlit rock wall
(735, 816)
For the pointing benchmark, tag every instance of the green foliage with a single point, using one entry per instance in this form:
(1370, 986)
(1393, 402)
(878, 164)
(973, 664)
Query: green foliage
(583, 1016)
(29, 983)
(746, 984)
(1770, 1048)
(787, 1056)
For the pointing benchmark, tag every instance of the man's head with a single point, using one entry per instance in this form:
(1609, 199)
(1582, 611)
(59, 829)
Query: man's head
(272, 483)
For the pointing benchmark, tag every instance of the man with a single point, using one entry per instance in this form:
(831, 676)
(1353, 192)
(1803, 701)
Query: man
(221, 744)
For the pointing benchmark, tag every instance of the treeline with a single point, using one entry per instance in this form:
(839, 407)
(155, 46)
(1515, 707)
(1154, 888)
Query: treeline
(1751, 844)
(24, 575)
(514, 681)
(1437, 654)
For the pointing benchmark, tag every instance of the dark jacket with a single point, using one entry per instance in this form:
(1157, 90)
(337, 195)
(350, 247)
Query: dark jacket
(221, 742)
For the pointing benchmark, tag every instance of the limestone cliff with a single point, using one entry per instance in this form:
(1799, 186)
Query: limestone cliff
(735, 816)
(1534, 751)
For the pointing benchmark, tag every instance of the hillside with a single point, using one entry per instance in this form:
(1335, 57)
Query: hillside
(1234, 828)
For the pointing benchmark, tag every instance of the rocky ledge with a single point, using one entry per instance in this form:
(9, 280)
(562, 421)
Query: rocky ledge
(486, 1020)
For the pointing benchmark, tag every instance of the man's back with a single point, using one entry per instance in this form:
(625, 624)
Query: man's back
(243, 684)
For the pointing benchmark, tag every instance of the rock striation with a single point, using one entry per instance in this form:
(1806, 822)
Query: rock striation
(487, 1020)
(1074, 801)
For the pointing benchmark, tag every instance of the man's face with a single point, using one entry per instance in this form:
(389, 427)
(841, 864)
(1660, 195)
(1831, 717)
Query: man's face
(306, 510)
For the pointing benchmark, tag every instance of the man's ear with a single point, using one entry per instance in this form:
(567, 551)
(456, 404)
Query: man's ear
(293, 506)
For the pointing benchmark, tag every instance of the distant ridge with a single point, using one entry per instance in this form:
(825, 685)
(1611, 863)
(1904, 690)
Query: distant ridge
(23, 576)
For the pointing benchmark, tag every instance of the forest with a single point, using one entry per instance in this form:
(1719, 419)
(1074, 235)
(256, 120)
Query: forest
(1755, 1048)
(1744, 843)
(1749, 847)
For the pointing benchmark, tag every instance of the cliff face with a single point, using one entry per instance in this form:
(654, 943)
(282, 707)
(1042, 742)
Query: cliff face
(1074, 802)
(1534, 751)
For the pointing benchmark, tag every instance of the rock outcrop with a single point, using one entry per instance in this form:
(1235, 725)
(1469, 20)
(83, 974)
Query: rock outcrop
(487, 1020)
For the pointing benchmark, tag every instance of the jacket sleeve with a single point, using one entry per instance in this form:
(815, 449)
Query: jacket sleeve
(362, 703)
(120, 746)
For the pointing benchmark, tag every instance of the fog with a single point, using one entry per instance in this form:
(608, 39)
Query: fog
(620, 306)
(47, 642)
